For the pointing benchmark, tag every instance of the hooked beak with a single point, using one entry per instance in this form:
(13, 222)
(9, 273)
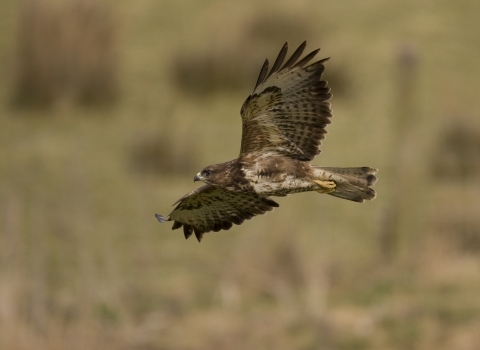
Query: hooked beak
(197, 178)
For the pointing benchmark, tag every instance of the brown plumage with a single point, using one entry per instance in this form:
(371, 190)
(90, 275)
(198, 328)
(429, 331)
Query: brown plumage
(283, 125)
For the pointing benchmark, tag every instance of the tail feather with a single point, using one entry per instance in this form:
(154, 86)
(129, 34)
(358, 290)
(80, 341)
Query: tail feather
(351, 183)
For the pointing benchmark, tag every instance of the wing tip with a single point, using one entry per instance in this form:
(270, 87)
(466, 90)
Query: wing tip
(189, 229)
(263, 74)
(278, 62)
(322, 61)
(272, 203)
(198, 234)
(162, 219)
(291, 62)
(295, 56)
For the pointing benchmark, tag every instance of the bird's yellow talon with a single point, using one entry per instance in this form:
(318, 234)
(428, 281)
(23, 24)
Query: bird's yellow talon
(326, 186)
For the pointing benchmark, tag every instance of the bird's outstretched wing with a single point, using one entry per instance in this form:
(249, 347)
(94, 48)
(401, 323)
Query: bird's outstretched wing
(210, 208)
(288, 111)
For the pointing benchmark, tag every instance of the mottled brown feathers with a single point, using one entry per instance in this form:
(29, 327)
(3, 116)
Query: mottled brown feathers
(284, 122)
(210, 208)
(288, 111)
(355, 183)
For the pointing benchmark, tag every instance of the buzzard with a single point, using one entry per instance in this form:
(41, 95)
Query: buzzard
(283, 125)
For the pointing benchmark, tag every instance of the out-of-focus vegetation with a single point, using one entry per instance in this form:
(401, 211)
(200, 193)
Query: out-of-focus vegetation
(108, 109)
(65, 51)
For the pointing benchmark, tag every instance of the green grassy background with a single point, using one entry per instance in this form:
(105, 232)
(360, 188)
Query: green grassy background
(85, 265)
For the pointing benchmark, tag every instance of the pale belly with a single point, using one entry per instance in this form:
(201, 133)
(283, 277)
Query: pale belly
(280, 184)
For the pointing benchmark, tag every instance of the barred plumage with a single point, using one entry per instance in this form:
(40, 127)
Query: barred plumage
(283, 125)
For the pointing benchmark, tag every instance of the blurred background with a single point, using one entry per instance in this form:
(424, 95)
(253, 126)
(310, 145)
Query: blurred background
(108, 109)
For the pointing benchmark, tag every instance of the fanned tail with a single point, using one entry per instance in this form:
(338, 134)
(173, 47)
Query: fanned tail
(353, 184)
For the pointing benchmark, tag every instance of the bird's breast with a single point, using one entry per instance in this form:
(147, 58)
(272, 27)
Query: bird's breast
(275, 180)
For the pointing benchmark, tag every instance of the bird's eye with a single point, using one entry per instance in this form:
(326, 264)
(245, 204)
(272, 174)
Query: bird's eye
(206, 173)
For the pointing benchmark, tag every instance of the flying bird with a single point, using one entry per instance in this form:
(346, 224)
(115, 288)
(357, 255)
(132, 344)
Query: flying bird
(283, 125)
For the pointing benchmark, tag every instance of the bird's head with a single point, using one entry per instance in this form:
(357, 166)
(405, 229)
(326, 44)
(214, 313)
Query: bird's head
(209, 175)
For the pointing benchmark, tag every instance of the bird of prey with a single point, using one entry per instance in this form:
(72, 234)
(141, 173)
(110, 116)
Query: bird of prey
(283, 125)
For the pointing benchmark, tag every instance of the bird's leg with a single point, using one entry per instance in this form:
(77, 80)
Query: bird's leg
(325, 186)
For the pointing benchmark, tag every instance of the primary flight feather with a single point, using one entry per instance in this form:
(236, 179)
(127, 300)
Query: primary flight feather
(283, 125)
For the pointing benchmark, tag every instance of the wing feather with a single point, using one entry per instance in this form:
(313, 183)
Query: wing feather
(210, 208)
(278, 62)
(296, 55)
(289, 110)
(263, 73)
(307, 58)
